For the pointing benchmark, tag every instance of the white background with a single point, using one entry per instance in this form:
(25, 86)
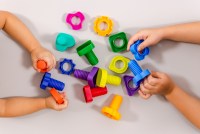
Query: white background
(45, 18)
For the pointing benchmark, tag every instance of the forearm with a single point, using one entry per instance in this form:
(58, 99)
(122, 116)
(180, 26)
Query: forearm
(189, 32)
(18, 31)
(188, 105)
(12, 107)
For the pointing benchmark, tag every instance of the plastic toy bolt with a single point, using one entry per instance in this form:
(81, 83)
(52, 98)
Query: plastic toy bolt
(137, 71)
(86, 49)
(103, 77)
(134, 50)
(72, 66)
(107, 21)
(58, 97)
(42, 65)
(64, 41)
(78, 15)
(115, 69)
(94, 92)
(89, 76)
(130, 90)
(112, 110)
(47, 81)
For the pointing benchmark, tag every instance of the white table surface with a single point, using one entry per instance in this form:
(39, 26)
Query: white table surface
(45, 18)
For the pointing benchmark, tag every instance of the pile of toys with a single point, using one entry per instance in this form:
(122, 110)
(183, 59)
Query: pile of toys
(97, 78)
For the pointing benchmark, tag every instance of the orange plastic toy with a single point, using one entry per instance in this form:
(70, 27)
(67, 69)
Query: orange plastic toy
(42, 65)
(59, 99)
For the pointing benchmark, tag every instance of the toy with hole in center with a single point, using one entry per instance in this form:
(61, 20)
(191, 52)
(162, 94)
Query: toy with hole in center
(89, 76)
(105, 20)
(57, 96)
(86, 49)
(42, 65)
(78, 15)
(103, 78)
(112, 110)
(71, 68)
(130, 90)
(89, 92)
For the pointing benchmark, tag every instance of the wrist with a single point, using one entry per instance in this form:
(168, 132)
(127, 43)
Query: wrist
(43, 103)
(171, 93)
(34, 47)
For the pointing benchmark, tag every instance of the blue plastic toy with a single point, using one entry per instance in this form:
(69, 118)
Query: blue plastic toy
(47, 81)
(138, 72)
(134, 50)
(72, 66)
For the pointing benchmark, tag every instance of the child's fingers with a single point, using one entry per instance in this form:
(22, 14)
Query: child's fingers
(144, 44)
(143, 95)
(143, 89)
(147, 85)
(63, 106)
(132, 40)
(152, 80)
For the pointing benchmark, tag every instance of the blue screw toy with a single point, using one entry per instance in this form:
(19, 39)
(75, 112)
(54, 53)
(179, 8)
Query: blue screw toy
(138, 72)
(47, 81)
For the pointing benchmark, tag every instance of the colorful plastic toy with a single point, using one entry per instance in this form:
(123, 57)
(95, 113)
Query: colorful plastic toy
(134, 50)
(107, 21)
(58, 97)
(89, 76)
(64, 41)
(138, 72)
(118, 36)
(72, 66)
(94, 92)
(115, 69)
(103, 77)
(78, 15)
(112, 110)
(130, 90)
(42, 65)
(86, 49)
(47, 81)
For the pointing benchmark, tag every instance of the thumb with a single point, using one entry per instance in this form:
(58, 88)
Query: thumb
(155, 74)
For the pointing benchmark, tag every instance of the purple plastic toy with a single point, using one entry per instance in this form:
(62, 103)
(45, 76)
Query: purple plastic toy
(89, 76)
(78, 15)
(131, 90)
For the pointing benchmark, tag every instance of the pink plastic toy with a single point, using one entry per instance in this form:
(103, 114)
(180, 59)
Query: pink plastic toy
(78, 15)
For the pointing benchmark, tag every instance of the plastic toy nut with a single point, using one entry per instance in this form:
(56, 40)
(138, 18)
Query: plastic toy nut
(94, 92)
(103, 77)
(138, 72)
(64, 41)
(72, 66)
(113, 66)
(47, 81)
(112, 110)
(78, 15)
(107, 21)
(42, 65)
(89, 76)
(130, 90)
(58, 97)
(86, 49)
(134, 50)
(114, 38)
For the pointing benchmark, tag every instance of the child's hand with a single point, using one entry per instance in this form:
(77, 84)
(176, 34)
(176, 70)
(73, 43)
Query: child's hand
(51, 103)
(156, 83)
(41, 53)
(150, 37)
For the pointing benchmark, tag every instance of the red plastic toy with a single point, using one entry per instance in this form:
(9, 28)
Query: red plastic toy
(89, 93)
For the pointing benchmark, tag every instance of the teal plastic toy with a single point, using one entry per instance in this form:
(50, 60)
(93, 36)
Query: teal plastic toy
(120, 36)
(86, 49)
(64, 41)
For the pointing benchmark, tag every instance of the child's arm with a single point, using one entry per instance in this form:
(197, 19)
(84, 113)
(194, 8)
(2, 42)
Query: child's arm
(12, 107)
(160, 83)
(189, 32)
(19, 32)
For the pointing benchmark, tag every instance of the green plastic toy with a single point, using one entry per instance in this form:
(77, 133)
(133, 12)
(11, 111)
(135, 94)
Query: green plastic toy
(120, 36)
(86, 49)
(64, 41)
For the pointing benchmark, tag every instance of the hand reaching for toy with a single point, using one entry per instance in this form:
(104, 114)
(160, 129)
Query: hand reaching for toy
(150, 37)
(43, 54)
(156, 83)
(51, 103)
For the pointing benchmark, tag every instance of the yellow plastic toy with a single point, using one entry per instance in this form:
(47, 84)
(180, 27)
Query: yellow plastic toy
(107, 21)
(103, 77)
(112, 110)
(115, 69)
